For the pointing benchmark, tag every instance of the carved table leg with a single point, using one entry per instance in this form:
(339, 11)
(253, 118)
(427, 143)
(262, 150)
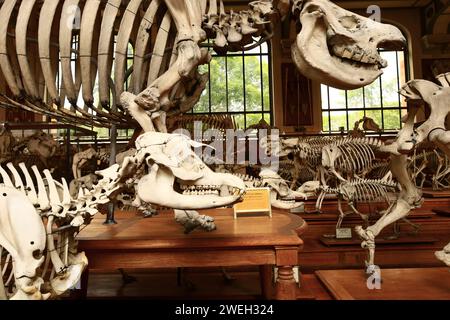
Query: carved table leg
(286, 285)
(84, 284)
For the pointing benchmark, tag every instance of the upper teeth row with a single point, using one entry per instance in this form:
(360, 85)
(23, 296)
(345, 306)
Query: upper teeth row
(356, 53)
(206, 187)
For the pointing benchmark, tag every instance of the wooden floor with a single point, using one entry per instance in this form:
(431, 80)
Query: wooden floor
(201, 284)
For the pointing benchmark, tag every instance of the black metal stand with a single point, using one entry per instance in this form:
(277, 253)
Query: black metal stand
(112, 161)
(110, 215)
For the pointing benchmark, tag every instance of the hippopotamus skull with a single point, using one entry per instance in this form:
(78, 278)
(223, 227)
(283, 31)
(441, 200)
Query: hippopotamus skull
(339, 48)
(178, 178)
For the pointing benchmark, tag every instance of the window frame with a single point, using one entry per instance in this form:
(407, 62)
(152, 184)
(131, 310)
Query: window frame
(401, 106)
(245, 112)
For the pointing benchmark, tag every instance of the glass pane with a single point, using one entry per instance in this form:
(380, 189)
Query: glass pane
(203, 68)
(267, 117)
(324, 96)
(337, 98)
(355, 99)
(375, 115)
(253, 83)
(391, 119)
(389, 80)
(239, 121)
(203, 104)
(218, 85)
(235, 84)
(266, 83)
(122, 133)
(354, 116)
(338, 119)
(264, 48)
(253, 119)
(325, 124)
(402, 73)
(372, 95)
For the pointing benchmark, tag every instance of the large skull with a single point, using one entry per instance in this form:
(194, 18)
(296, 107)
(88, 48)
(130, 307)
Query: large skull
(179, 179)
(282, 196)
(338, 47)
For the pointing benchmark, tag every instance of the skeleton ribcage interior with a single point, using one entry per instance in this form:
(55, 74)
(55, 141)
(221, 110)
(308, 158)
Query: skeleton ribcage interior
(87, 53)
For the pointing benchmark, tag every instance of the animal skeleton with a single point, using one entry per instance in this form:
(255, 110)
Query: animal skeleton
(27, 234)
(40, 144)
(160, 82)
(433, 130)
(360, 190)
(431, 163)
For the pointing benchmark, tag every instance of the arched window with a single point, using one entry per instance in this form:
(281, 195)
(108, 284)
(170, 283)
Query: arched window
(240, 85)
(379, 100)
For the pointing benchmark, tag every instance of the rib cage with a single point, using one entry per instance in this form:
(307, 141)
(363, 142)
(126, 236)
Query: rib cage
(356, 154)
(364, 190)
(142, 23)
(92, 38)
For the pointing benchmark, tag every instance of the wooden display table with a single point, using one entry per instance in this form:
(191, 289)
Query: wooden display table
(159, 242)
(397, 284)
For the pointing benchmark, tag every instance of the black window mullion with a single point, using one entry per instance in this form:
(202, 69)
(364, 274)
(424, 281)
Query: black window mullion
(244, 90)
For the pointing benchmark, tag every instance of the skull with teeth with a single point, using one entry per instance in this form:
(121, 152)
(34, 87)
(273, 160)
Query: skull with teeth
(282, 196)
(340, 48)
(178, 178)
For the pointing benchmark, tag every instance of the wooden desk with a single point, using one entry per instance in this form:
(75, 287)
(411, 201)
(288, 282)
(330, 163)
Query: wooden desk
(159, 242)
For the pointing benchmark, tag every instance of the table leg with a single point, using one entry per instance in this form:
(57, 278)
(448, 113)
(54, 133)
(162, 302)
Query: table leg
(265, 276)
(286, 286)
(84, 284)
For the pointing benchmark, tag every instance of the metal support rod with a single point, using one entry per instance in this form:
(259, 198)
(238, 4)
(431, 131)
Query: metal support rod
(112, 161)
(68, 158)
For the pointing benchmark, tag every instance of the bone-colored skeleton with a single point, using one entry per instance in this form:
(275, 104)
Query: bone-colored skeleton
(159, 82)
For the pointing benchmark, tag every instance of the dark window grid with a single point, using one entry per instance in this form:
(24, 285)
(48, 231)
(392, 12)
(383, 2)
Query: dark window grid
(244, 92)
(381, 102)
(245, 112)
(364, 109)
